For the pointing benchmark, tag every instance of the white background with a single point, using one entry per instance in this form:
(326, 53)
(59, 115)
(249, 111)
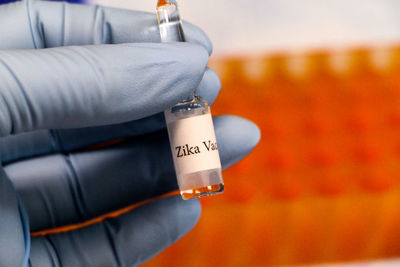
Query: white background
(251, 26)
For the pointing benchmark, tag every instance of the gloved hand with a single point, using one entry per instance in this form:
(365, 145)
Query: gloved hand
(92, 88)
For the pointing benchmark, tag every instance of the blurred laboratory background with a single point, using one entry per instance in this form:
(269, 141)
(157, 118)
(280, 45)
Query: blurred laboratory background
(322, 80)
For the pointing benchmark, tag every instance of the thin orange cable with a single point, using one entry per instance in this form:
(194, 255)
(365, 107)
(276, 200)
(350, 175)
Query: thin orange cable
(101, 218)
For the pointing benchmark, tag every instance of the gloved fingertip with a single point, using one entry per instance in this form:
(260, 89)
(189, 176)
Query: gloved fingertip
(188, 68)
(187, 214)
(191, 56)
(209, 86)
(156, 75)
(181, 59)
(197, 36)
(236, 137)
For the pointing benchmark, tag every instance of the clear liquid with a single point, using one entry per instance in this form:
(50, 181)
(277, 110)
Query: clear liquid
(203, 191)
(170, 24)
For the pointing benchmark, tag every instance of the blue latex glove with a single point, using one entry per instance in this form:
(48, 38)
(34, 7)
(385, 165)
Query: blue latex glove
(92, 88)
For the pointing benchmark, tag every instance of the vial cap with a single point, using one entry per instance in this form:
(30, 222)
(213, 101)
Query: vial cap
(166, 2)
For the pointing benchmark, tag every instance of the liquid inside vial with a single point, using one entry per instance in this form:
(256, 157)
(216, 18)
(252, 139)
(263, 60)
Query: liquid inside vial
(170, 23)
(194, 149)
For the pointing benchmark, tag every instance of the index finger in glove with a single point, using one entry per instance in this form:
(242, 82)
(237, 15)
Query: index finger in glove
(43, 24)
(71, 87)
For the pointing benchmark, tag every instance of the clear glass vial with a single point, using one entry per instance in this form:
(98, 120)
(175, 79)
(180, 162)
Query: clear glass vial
(190, 126)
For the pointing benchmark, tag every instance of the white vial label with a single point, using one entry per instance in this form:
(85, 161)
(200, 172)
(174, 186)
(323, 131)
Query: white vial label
(193, 144)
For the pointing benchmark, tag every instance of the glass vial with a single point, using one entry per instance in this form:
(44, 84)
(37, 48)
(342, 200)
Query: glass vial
(190, 127)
